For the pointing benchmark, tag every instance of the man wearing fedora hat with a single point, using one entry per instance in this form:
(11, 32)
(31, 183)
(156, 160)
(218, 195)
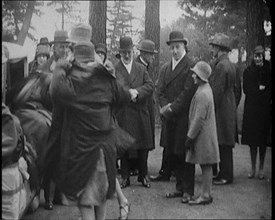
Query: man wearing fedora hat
(134, 117)
(60, 45)
(175, 90)
(223, 82)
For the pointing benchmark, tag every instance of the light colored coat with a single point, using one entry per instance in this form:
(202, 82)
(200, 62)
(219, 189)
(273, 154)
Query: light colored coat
(202, 128)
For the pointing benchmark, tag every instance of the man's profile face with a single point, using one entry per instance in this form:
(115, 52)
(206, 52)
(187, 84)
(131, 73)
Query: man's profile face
(177, 49)
(148, 57)
(126, 56)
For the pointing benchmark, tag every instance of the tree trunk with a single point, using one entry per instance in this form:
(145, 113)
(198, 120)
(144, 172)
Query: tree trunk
(62, 12)
(255, 26)
(97, 20)
(152, 32)
(26, 23)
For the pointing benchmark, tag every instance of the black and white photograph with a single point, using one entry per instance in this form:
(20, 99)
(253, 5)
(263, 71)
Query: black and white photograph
(139, 109)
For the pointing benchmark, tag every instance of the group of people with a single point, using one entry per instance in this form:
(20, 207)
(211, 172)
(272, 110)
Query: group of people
(96, 113)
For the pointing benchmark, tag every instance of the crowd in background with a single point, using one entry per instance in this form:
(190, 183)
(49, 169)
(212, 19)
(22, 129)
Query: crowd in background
(82, 114)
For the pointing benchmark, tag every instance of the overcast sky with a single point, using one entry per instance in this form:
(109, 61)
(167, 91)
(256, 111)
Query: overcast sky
(51, 20)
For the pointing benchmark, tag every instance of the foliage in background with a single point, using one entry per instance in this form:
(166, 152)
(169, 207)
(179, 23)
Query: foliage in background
(119, 18)
(16, 20)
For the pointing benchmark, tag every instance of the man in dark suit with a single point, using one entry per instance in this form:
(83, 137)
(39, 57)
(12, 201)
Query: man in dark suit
(175, 90)
(146, 56)
(134, 117)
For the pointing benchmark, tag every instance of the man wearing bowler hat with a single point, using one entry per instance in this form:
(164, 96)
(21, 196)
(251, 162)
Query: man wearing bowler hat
(175, 90)
(146, 56)
(134, 117)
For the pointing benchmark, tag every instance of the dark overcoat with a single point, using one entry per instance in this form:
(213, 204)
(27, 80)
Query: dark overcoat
(134, 117)
(86, 95)
(176, 87)
(257, 113)
(151, 100)
(223, 83)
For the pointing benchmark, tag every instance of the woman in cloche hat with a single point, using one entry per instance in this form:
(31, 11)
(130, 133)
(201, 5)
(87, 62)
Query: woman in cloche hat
(202, 141)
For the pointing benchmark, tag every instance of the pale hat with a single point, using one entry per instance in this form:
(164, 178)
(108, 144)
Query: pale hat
(203, 70)
(221, 40)
(84, 52)
(60, 36)
(80, 33)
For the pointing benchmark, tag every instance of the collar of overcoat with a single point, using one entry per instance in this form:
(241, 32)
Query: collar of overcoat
(182, 65)
(130, 78)
(222, 57)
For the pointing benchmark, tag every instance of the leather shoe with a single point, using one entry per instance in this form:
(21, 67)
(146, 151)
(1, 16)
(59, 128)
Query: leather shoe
(48, 206)
(221, 182)
(125, 183)
(186, 198)
(201, 201)
(134, 172)
(144, 181)
(159, 178)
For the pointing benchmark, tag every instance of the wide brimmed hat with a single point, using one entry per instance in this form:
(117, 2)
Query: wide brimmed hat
(203, 70)
(44, 41)
(43, 49)
(84, 52)
(125, 44)
(176, 36)
(259, 49)
(221, 40)
(60, 36)
(147, 46)
(80, 33)
(101, 48)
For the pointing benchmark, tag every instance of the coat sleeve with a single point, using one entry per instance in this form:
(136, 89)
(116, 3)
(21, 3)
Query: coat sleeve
(146, 89)
(61, 87)
(161, 95)
(122, 94)
(249, 87)
(199, 109)
(182, 102)
(218, 83)
(238, 85)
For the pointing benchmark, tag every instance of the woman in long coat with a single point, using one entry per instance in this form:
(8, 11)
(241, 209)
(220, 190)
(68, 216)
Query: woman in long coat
(256, 117)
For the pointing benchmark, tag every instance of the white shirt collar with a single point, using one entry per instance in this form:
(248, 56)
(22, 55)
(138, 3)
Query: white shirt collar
(128, 66)
(143, 61)
(175, 62)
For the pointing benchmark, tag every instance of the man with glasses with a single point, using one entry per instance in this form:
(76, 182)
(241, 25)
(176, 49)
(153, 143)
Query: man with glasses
(134, 117)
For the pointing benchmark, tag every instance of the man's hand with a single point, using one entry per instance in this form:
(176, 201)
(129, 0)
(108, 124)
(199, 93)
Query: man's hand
(110, 67)
(134, 94)
(166, 111)
(189, 144)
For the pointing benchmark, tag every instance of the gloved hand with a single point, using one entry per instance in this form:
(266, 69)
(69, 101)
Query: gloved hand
(189, 144)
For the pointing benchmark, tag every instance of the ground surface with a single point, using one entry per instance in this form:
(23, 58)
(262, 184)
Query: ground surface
(244, 199)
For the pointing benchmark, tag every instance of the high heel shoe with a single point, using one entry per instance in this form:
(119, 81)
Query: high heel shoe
(124, 210)
(251, 175)
(261, 175)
